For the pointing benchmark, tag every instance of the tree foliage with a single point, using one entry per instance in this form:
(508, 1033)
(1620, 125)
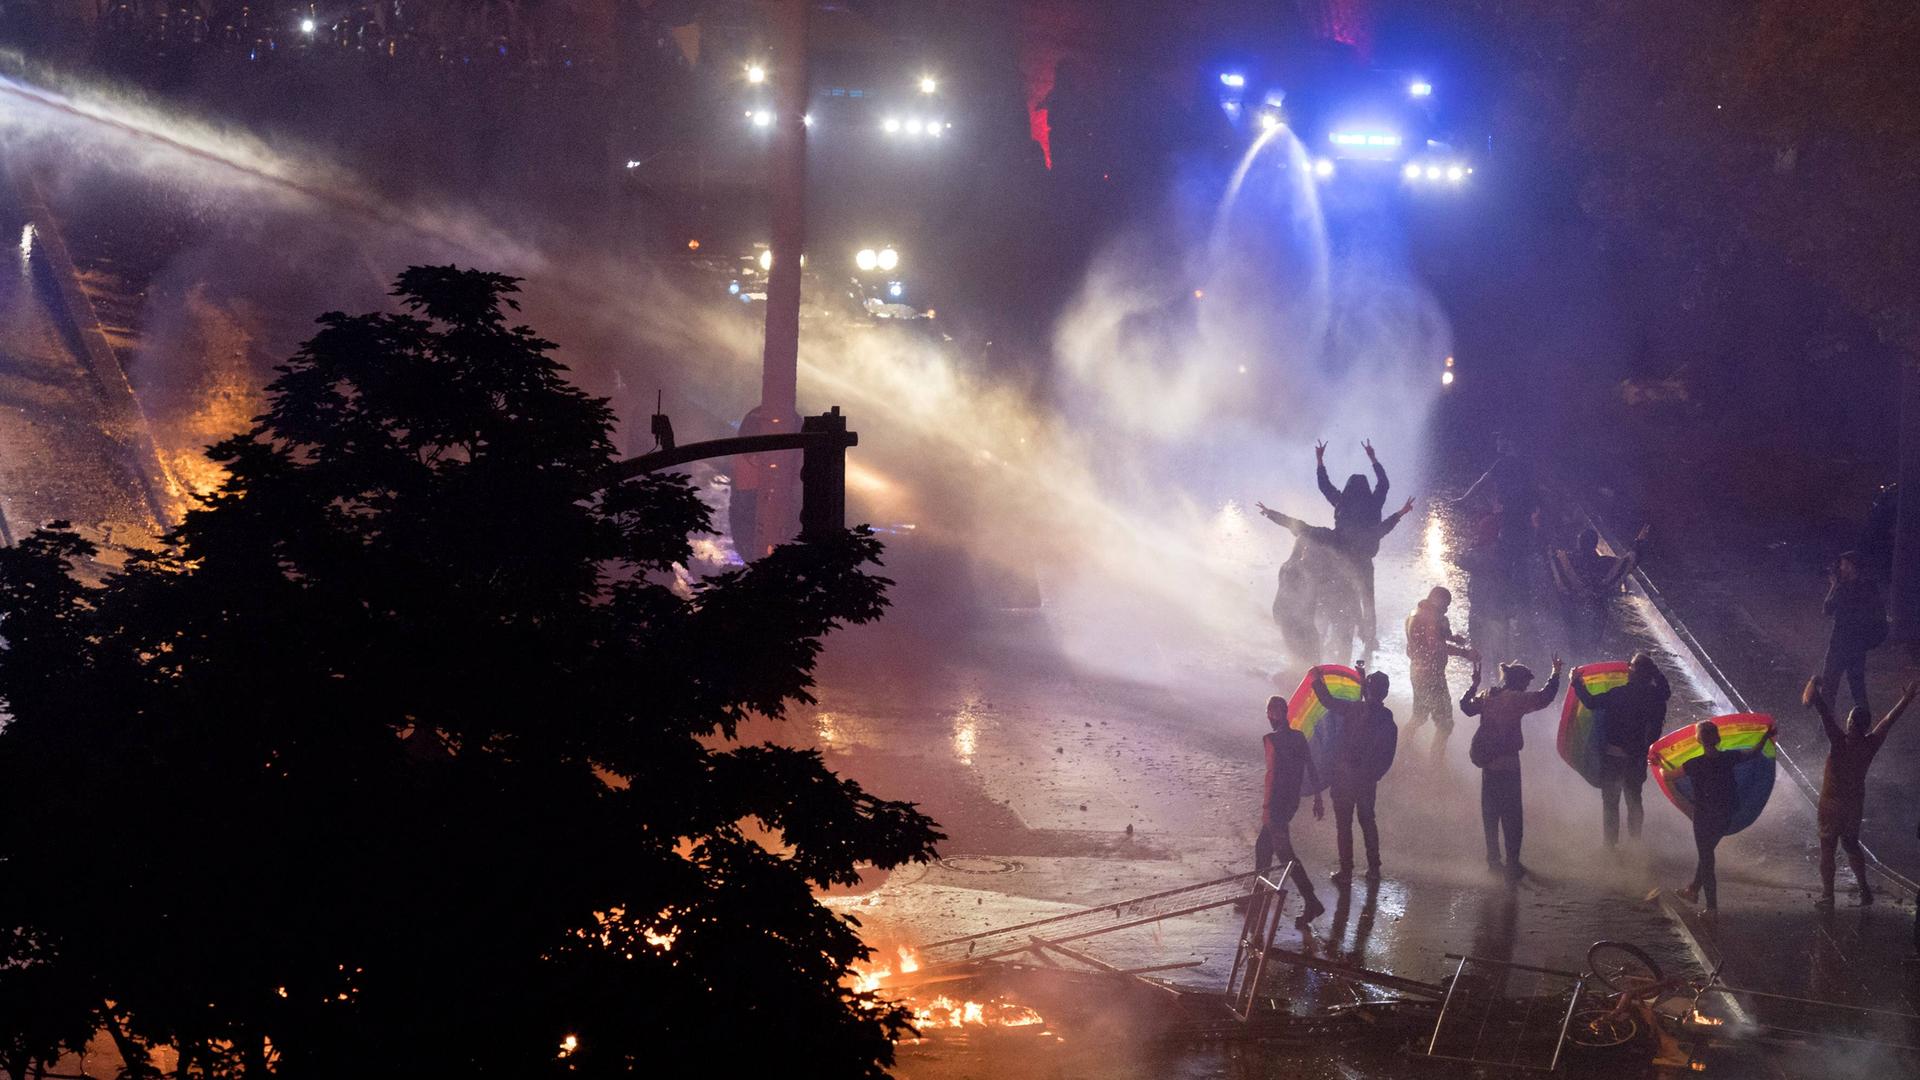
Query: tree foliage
(403, 753)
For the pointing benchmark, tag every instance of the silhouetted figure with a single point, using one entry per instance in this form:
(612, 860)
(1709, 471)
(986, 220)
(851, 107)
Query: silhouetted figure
(1505, 564)
(1631, 717)
(1289, 759)
(1586, 579)
(1293, 604)
(1876, 539)
(1711, 776)
(1843, 791)
(1496, 752)
(1489, 592)
(1859, 625)
(1430, 641)
(1364, 739)
(1335, 585)
(1356, 520)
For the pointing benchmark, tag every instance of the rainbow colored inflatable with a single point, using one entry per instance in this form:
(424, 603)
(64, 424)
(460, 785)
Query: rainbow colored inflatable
(1579, 730)
(1752, 780)
(1304, 712)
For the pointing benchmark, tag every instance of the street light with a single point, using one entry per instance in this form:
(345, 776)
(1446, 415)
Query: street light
(756, 74)
(306, 27)
(928, 85)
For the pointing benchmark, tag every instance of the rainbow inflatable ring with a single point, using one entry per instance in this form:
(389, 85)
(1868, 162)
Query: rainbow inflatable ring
(1579, 731)
(1752, 780)
(1304, 712)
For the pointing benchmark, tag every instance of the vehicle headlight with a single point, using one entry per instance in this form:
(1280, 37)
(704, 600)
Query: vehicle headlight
(1456, 174)
(867, 259)
(888, 259)
(1433, 172)
(891, 126)
(1323, 168)
(1412, 171)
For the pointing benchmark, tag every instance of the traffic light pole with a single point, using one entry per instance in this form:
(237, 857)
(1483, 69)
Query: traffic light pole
(765, 499)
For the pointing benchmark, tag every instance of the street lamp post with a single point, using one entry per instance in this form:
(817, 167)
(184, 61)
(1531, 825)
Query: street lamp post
(766, 487)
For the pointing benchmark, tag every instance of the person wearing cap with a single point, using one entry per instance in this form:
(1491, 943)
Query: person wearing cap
(1495, 750)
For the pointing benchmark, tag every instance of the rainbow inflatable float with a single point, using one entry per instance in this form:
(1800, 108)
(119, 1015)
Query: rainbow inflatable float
(1752, 780)
(1579, 731)
(1304, 712)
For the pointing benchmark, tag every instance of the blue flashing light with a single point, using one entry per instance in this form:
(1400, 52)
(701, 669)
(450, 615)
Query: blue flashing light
(1233, 79)
(1420, 88)
(733, 288)
(896, 290)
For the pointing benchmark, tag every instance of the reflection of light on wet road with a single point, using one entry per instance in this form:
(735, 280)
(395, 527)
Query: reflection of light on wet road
(966, 732)
(1433, 549)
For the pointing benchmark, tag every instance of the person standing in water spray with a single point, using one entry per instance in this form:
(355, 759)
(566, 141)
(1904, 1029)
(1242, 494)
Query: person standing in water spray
(1843, 790)
(1289, 761)
(1357, 509)
(1711, 776)
(1495, 751)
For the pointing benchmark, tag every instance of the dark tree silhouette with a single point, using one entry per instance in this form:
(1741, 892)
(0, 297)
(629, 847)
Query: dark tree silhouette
(403, 755)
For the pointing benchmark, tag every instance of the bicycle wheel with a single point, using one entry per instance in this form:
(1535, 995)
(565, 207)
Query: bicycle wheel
(1599, 1028)
(1624, 968)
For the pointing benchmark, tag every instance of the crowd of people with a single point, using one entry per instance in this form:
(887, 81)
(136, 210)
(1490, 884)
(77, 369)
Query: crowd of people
(1325, 601)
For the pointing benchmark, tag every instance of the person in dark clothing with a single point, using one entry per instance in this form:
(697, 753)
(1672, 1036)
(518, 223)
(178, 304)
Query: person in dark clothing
(1339, 582)
(1496, 751)
(1631, 717)
(1430, 641)
(1512, 477)
(1289, 759)
(1859, 625)
(1876, 539)
(1586, 579)
(1711, 776)
(1363, 746)
(1489, 590)
(1843, 791)
(1356, 518)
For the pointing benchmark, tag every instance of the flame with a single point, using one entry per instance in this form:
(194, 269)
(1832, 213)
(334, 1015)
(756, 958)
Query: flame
(1704, 1020)
(568, 1045)
(945, 1012)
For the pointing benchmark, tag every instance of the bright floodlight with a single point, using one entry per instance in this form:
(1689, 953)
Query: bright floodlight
(890, 126)
(1433, 172)
(763, 118)
(913, 126)
(1268, 121)
(306, 26)
(1446, 378)
(756, 74)
(889, 258)
(766, 259)
(1323, 168)
(1420, 88)
(866, 259)
(1233, 79)
(927, 85)
(933, 128)
(1456, 174)
(806, 119)
(1411, 172)
(895, 290)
